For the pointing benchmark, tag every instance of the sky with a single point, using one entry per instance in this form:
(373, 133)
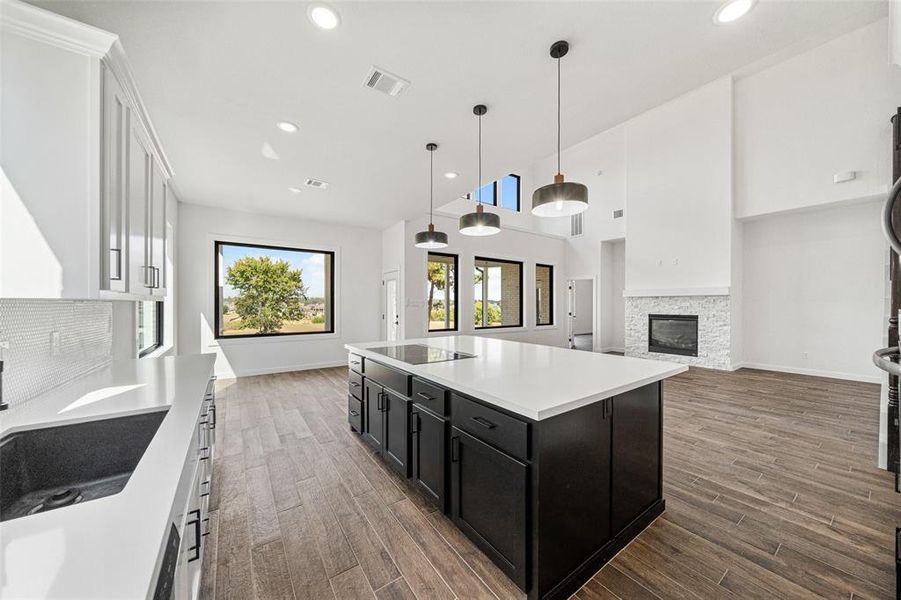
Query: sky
(312, 264)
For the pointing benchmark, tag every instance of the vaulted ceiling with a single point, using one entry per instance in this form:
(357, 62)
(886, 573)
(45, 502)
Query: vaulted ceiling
(217, 76)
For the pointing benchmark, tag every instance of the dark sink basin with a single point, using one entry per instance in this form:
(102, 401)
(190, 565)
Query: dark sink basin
(45, 469)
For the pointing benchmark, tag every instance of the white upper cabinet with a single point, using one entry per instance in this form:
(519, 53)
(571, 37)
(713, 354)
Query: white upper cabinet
(84, 178)
(114, 193)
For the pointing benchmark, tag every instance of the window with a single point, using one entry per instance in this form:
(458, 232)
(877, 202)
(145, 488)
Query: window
(544, 295)
(271, 290)
(150, 326)
(497, 289)
(442, 289)
(509, 187)
(504, 193)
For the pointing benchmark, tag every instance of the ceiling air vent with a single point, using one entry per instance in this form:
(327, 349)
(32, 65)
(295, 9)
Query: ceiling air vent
(617, 214)
(382, 81)
(316, 183)
(575, 225)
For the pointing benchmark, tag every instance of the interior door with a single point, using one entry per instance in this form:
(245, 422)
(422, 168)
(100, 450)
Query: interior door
(391, 312)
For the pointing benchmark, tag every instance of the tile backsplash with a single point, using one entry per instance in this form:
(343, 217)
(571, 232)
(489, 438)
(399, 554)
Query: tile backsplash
(51, 342)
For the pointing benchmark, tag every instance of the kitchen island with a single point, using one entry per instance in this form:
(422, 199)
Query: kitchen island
(550, 460)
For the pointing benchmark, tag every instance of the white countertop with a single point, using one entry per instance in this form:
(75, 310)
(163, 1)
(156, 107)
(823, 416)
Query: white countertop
(531, 380)
(106, 548)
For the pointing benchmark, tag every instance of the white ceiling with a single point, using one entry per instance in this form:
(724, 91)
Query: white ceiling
(217, 76)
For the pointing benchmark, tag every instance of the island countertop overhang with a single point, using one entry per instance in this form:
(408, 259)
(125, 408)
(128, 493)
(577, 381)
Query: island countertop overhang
(531, 380)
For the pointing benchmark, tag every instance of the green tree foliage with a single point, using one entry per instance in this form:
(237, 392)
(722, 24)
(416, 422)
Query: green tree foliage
(494, 314)
(438, 281)
(270, 292)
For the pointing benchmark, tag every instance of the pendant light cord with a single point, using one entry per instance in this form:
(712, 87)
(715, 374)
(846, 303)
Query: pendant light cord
(479, 193)
(431, 182)
(558, 115)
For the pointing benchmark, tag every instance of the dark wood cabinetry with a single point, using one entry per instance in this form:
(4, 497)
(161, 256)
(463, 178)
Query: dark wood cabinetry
(386, 415)
(428, 458)
(489, 491)
(548, 501)
(636, 476)
(373, 429)
(396, 420)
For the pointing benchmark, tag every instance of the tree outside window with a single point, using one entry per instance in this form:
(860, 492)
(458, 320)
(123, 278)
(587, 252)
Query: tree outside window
(272, 290)
(442, 291)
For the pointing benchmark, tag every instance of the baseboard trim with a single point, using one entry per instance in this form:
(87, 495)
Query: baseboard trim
(282, 369)
(813, 372)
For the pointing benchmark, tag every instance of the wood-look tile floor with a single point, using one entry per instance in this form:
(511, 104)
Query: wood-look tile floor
(770, 485)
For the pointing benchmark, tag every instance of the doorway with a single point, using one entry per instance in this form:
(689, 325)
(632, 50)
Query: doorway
(581, 314)
(390, 307)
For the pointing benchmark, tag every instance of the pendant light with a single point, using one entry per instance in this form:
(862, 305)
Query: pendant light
(561, 198)
(431, 239)
(480, 223)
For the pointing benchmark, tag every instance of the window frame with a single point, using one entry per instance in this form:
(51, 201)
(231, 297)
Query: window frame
(159, 328)
(456, 258)
(521, 323)
(475, 197)
(550, 299)
(217, 289)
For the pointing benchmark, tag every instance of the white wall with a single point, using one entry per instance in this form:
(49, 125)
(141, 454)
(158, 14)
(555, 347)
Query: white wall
(612, 284)
(679, 192)
(822, 112)
(814, 286)
(529, 248)
(358, 274)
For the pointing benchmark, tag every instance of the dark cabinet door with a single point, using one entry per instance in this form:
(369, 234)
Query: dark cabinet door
(636, 454)
(396, 441)
(488, 502)
(428, 436)
(373, 430)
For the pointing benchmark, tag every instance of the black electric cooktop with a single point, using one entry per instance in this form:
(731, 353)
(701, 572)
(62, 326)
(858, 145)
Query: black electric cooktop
(419, 354)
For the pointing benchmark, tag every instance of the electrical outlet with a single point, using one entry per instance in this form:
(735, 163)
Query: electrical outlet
(804, 355)
(54, 343)
(659, 263)
(675, 261)
(4, 347)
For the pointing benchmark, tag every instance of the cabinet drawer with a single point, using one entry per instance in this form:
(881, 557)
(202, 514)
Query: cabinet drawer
(356, 363)
(491, 426)
(355, 413)
(430, 396)
(355, 385)
(389, 377)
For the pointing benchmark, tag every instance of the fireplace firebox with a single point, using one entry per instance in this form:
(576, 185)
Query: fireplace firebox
(673, 334)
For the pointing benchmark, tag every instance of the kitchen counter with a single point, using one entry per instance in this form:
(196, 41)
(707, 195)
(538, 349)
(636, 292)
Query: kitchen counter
(530, 380)
(108, 547)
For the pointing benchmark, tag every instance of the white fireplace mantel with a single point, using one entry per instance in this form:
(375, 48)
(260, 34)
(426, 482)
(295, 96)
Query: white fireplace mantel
(693, 291)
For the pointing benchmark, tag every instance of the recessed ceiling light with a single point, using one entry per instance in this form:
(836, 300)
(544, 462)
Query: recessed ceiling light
(287, 126)
(450, 175)
(323, 16)
(294, 190)
(733, 10)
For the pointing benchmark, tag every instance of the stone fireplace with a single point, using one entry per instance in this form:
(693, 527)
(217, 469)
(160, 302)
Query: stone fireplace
(689, 329)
